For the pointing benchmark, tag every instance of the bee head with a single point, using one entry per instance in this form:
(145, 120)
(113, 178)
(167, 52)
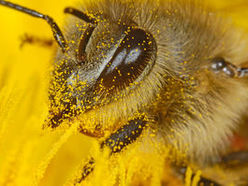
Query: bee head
(105, 62)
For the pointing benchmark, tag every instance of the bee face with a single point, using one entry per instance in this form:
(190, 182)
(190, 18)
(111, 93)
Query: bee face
(104, 63)
(133, 58)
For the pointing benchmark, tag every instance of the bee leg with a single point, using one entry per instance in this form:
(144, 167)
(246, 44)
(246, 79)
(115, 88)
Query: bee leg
(243, 72)
(202, 182)
(234, 164)
(87, 169)
(235, 159)
(117, 142)
(206, 182)
(125, 135)
(234, 167)
(220, 65)
(30, 39)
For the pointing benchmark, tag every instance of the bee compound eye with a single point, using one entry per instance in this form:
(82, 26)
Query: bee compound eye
(134, 56)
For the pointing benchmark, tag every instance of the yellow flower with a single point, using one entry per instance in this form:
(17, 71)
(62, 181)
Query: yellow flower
(30, 155)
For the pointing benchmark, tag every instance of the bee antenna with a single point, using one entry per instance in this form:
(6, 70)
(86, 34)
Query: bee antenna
(81, 15)
(55, 28)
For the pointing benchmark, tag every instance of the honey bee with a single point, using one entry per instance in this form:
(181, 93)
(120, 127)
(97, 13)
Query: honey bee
(174, 69)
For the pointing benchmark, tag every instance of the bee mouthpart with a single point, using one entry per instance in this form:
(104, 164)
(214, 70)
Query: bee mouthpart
(54, 120)
(58, 114)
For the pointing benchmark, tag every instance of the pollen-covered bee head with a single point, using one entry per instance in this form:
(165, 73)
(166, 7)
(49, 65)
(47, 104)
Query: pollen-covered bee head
(105, 61)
